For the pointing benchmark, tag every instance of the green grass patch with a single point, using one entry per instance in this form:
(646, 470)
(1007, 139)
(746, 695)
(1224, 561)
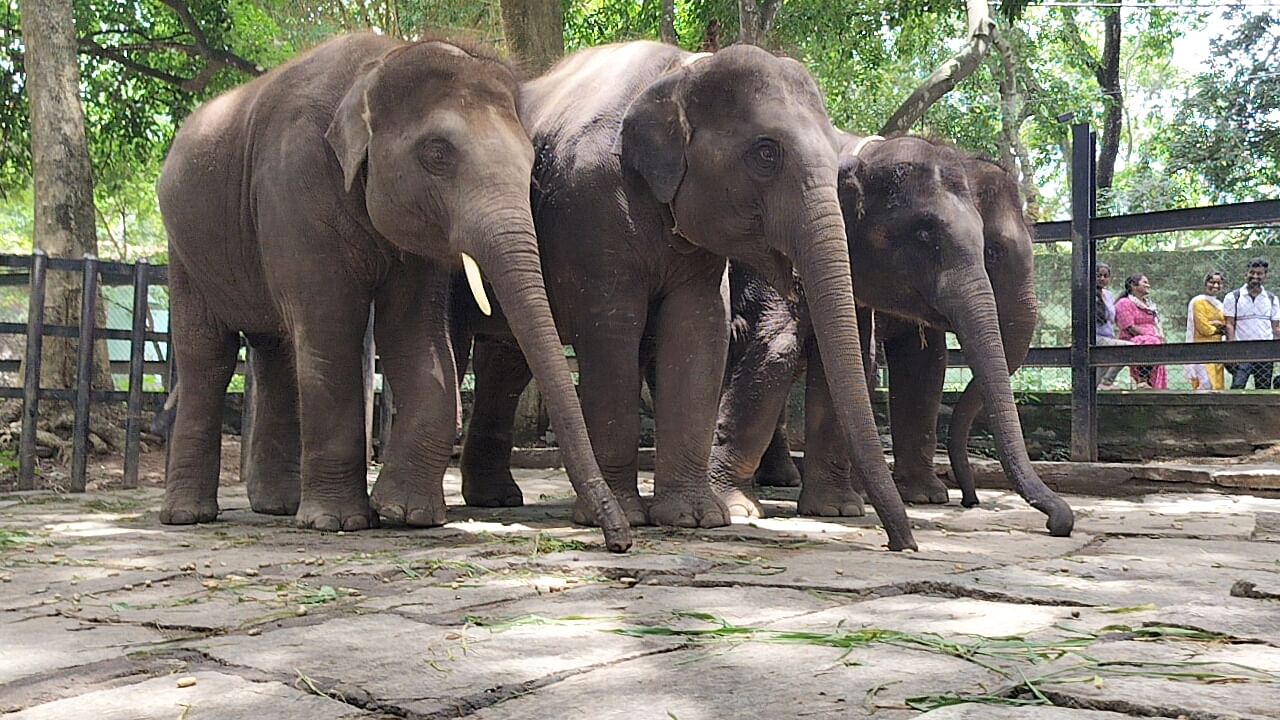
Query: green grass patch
(16, 538)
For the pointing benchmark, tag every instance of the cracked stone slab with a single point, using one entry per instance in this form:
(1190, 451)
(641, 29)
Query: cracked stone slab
(445, 600)
(637, 565)
(976, 711)
(423, 668)
(35, 645)
(750, 682)
(657, 604)
(214, 696)
(1139, 692)
(832, 570)
(1128, 572)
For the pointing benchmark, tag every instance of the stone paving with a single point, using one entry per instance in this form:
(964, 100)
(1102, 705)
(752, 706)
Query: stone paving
(1161, 605)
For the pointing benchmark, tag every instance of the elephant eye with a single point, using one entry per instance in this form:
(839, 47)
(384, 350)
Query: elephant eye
(993, 254)
(438, 156)
(764, 158)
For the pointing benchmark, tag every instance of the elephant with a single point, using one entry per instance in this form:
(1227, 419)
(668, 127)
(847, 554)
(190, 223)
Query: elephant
(653, 166)
(938, 243)
(358, 175)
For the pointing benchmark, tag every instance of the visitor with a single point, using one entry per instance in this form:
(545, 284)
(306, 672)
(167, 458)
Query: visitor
(1205, 323)
(1138, 321)
(1104, 315)
(1252, 313)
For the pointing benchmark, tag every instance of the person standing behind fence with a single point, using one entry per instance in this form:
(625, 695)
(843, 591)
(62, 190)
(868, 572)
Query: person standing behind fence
(1104, 309)
(1252, 313)
(1138, 321)
(1206, 323)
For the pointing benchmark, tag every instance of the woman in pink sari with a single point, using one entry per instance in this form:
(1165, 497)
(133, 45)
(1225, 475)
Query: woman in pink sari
(1138, 321)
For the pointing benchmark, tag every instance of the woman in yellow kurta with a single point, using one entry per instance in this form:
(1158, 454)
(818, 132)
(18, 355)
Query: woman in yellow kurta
(1205, 323)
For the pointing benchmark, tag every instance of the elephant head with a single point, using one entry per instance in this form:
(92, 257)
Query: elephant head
(430, 133)
(738, 148)
(934, 224)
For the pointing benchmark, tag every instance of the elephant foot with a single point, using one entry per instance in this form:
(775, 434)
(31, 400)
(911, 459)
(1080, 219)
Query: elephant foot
(274, 500)
(490, 489)
(188, 512)
(781, 472)
(1061, 520)
(688, 507)
(828, 501)
(402, 503)
(969, 499)
(741, 502)
(629, 500)
(333, 515)
(921, 488)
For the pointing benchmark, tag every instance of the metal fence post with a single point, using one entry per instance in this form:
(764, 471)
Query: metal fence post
(31, 376)
(246, 413)
(84, 374)
(137, 355)
(1084, 399)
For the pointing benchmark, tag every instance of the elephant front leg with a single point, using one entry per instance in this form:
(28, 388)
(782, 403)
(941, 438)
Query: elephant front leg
(692, 332)
(917, 368)
(501, 375)
(272, 473)
(828, 489)
(328, 338)
(609, 368)
(413, 342)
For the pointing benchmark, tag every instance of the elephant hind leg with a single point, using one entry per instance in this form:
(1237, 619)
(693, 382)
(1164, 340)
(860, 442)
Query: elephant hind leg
(501, 375)
(206, 355)
(776, 466)
(917, 369)
(271, 465)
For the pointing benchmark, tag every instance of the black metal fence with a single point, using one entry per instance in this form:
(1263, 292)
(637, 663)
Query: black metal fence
(1084, 231)
(93, 273)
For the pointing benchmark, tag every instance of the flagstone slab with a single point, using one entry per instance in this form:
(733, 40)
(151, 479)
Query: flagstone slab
(424, 668)
(213, 696)
(34, 645)
(750, 681)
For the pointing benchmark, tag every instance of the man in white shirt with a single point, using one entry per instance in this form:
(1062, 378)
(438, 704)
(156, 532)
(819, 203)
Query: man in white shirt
(1252, 313)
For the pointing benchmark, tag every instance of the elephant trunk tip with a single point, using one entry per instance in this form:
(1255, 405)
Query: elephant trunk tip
(1061, 520)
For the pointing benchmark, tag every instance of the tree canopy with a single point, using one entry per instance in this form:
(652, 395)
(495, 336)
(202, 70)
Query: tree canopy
(1183, 138)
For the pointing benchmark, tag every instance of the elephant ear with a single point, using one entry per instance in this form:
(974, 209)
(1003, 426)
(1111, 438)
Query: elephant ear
(654, 135)
(849, 188)
(348, 135)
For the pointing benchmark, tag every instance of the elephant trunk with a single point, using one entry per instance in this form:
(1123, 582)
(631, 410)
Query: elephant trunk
(821, 255)
(976, 323)
(1017, 326)
(507, 252)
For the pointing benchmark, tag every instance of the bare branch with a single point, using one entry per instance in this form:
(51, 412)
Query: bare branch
(950, 73)
(1013, 153)
(669, 22)
(755, 17)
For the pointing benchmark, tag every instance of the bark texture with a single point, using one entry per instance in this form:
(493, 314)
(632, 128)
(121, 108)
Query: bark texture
(63, 177)
(535, 32)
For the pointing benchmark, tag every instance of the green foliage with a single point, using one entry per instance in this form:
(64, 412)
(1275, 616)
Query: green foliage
(1187, 140)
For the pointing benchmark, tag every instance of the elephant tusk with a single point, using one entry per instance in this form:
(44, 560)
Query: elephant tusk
(864, 142)
(476, 283)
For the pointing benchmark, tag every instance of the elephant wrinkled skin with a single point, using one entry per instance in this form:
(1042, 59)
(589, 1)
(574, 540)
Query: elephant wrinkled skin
(653, 166)
(938, 243)
(356, 175)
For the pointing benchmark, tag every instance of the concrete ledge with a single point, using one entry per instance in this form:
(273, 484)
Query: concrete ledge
(1119, 478)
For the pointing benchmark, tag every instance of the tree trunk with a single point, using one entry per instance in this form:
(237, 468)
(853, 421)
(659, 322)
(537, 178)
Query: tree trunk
(535, 32)
(950, 73)
(669, 22)
(63, 178)
(755, 17)
(1014, 157)
(1108, 72)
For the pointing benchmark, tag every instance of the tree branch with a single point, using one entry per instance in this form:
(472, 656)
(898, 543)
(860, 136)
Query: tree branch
(949, 74)
(1013, 153)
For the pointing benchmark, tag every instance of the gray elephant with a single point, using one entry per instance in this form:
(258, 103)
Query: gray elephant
(357, 175)
(938, 242)
(653, 166)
